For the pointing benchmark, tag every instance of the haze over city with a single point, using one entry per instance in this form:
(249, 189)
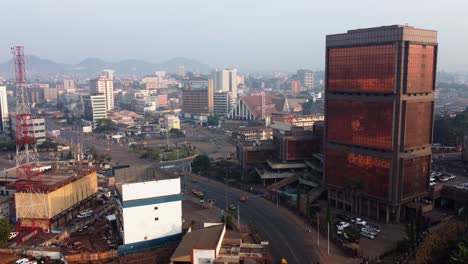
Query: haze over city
(249, 35)
(234, 132)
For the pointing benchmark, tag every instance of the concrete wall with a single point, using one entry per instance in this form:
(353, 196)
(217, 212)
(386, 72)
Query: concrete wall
(150, 189)
(203, 254)
(140, 222)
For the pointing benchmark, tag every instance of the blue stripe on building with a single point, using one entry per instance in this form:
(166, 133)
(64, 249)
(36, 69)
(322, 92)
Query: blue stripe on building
(134, 247)
(153, 200)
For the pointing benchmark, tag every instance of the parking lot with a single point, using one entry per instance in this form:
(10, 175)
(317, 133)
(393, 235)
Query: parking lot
(373, 238)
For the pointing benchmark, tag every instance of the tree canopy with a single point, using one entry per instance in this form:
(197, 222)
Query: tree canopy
(5, 229)
(201, 164)
(449, 130)
(105, 125)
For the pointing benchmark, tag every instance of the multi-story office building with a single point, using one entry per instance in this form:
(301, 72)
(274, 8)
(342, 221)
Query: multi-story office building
(94, 107)
(4, 126)
(172, 122)
(226, 81)
(223, 103)
(379, 118)
(197, 96)
(307, 79)
(296, 87)
(39, 129)
(69, 85)
(105, 86)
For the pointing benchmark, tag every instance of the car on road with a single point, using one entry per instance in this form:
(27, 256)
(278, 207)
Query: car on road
(22, 261)
(373, 227)
(242, 199)
(232, 207)
(202, 201)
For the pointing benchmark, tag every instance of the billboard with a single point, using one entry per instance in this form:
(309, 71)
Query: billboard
(147, 129)
(87, 129)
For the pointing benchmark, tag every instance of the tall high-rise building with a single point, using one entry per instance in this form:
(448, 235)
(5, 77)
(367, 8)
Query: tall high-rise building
(94, 107)
(108, 74)
(296, 87)
(379, 118)
(181, 70)
(69, 85)
(103, 85)
(307, 79)
(226, 81)
(4, 109)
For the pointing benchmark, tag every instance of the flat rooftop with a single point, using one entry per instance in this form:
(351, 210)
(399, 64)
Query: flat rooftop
(55, 176)
(141, 173)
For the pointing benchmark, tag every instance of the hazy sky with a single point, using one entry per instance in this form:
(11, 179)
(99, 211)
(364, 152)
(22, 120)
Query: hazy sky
(247, 34)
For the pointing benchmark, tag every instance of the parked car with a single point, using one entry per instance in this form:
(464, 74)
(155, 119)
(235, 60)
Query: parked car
(367, 234)
(22, 261)
(360, 221)
(232, 207)
(376, 228)
(13, 235)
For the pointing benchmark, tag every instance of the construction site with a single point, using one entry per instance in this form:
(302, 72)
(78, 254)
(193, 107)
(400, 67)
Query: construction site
(65, 190)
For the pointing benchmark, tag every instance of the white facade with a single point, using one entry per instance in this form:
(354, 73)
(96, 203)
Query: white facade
(223, 102)
(38, 128)
(3, 109)
(307, 79)
(151, 210)
(225, 81)
(172, 121)
(104, 86)
(94, 107)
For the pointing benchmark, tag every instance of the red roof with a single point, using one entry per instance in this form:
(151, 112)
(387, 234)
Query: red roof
(273, 104)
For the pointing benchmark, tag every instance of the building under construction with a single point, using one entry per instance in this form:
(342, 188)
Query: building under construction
(65, 190)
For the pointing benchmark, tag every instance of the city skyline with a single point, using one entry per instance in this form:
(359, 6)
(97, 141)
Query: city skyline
(277, 36)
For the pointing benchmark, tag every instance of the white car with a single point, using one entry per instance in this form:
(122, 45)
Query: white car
(359, 221)
(451, 177)
(13, 235)
(432, 183)
(22, 261)
(342, 225)
(444, 179)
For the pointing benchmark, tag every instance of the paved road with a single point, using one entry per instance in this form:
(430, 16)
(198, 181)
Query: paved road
(285, 232)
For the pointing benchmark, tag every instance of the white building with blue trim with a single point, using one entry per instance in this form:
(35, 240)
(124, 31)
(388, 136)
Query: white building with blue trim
(150, 207)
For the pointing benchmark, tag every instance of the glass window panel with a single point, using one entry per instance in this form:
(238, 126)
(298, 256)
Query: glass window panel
(366, 124)
(418, 129)
(362, 69)
(420, 68)
(416, 176)
(347, 169)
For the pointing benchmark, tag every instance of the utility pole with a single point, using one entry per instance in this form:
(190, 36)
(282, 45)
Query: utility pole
(318, 231)
(227, 182)
(238, 216)
(328, 239)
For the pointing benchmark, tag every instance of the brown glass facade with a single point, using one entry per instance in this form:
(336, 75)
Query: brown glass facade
(362, 69)
(349, 170)
(379, 118)
(360, 123)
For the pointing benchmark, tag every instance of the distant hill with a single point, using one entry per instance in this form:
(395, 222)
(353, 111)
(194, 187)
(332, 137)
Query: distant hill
(91, 67)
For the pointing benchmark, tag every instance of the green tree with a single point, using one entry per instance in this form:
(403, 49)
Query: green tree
(5, 229)
(69, 155)
(213, 120)
(201, 164)
(106, 126)
(7, 145)
(307, 107)
(48, 144)
(460, 256)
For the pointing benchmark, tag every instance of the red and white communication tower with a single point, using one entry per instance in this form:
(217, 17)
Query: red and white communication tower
(31, 206)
